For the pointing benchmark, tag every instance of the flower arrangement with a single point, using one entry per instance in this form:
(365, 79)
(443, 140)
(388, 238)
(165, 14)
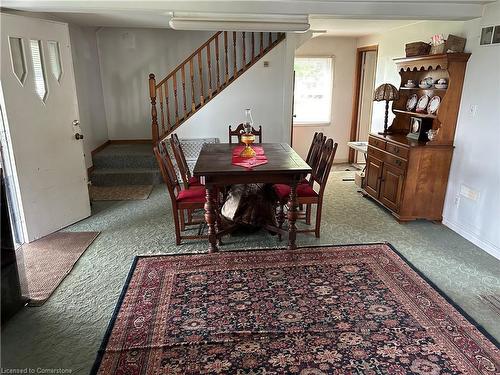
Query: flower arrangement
(437, 40)
(438, 44)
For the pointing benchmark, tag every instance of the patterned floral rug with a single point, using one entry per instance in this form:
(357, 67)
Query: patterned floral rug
(327, 310)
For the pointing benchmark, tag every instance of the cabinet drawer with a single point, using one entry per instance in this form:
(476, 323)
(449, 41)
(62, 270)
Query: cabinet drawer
(394, 160)
(379, 154)
(397, 150)
(375, 142)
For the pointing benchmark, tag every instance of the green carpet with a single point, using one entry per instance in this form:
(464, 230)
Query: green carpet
(67, 330)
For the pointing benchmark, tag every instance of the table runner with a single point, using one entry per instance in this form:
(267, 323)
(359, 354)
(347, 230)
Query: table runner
(259, 159)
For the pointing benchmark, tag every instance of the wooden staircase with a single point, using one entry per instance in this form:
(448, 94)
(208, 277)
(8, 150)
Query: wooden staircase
(211, 68)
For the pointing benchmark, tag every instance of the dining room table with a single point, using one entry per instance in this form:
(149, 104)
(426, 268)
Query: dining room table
(215, 169)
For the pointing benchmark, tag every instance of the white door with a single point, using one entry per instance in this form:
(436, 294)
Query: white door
(40, 110)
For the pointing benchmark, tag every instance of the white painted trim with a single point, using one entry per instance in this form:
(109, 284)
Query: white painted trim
(473, 237)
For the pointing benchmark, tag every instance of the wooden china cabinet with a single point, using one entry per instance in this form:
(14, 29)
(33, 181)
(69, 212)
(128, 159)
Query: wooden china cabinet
(409, 177)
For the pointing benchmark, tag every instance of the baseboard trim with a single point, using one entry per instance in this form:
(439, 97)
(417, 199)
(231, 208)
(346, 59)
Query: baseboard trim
(130, 141)
(472, 237)
(99, 148)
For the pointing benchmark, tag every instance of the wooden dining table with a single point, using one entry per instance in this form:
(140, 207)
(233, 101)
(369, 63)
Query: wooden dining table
(214, 167)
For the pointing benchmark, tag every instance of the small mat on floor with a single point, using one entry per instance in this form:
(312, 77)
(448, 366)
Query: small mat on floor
(321, 310)
(120, 193)
(44, 263)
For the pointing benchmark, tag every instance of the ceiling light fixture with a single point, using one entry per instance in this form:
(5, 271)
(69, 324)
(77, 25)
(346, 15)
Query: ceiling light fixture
(239, 22)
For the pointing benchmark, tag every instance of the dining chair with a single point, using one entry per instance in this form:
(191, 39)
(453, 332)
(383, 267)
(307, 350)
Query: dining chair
(306, 193)
(241, 130)
(314, 150)
(189, 198)
(182, 164)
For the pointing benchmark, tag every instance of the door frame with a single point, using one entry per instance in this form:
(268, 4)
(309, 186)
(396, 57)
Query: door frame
(355, 99)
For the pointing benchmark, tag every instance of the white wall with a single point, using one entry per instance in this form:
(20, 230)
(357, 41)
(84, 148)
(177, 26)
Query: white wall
(475, 161)
(266, 90)
(127, 56)
(88, 88)
(343, 50)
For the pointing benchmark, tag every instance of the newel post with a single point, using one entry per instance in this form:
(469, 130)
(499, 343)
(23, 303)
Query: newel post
(154, 115)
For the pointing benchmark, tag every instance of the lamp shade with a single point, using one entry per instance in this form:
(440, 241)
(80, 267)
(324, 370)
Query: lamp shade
(386, 92)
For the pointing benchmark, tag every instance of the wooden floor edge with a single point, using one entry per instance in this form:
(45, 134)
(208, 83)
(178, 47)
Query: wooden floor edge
(130, 141)
(99, 148)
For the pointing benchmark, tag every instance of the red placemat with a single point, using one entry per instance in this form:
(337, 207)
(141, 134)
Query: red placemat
(259, 159)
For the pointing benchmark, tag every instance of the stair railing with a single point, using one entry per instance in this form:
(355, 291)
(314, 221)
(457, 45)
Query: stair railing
(211, 68)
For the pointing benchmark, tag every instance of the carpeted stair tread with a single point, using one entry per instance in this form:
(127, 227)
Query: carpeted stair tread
(126, 176)
(125, 156)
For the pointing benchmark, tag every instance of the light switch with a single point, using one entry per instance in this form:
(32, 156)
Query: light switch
(473, 110)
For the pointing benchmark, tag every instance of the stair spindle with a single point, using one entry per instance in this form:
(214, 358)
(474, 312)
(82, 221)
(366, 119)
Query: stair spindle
(162, 114)
(226, 64)
(209, 63)
(183, 72)
(253, 46)
(169, 125)
(244, 50)
(200, 71)
(176, 100)
(261, 44)
(191, 74)
(270, 40)
(217, 61)
(235, 68)
(154, 115)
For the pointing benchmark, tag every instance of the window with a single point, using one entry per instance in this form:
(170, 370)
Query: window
(38, 69)
(313, 90)
(17, 56)
(55, 59)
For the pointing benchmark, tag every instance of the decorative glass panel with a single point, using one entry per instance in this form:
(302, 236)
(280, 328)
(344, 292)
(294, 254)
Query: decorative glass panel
(38, 69)
(17, 56)
(55, 59)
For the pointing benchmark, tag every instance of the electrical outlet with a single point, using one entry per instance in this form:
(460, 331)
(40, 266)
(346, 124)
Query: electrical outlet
(467, 192)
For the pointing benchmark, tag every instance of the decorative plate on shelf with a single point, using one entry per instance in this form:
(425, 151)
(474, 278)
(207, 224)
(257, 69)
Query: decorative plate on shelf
(433, 105)
(441, 86)
(422, 103)
(411, 102)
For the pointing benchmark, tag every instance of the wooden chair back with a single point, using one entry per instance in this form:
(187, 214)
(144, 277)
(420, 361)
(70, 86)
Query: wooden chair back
(325, 164)
(315, 152)
(241, 130)
(180, 159)
(167, 170)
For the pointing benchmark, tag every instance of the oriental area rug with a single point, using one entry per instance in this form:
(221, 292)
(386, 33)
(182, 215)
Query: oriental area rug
(326, 310)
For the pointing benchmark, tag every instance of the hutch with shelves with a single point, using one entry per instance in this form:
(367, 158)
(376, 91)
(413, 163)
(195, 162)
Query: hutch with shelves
(409, 177)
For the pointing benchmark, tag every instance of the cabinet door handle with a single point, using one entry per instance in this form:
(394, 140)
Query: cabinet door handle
(396, 150)
(398, 162)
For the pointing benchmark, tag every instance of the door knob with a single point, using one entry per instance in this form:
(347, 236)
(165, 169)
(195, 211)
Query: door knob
(76, 122)
(78, 136)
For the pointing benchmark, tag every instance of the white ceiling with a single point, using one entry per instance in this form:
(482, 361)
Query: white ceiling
(337, 17)
(355, 28)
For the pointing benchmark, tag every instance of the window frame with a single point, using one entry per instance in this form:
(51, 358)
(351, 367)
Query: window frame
(318, 123)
